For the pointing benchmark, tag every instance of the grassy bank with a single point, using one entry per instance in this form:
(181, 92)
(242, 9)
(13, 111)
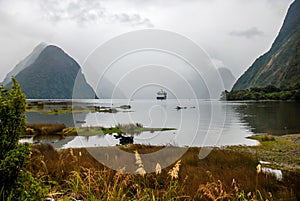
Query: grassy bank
(63, 107)
(63, 131)
(281, 152)
(225, 174)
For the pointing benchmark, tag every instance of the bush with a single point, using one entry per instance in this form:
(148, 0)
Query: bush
(16, 183)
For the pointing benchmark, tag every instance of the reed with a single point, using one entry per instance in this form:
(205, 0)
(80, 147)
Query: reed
(157, 169)
(175, 170)
(213, 190)
(140, 170)
(44, 129)
(224, 175)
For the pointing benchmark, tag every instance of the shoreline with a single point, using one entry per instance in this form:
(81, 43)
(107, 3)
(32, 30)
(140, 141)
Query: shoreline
(277, 152)
(280, 152)
(230, 169)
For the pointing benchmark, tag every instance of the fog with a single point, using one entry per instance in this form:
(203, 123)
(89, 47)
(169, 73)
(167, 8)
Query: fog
(140, 63)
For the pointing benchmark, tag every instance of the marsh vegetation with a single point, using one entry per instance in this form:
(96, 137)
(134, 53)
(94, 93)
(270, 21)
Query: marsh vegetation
(224, 175)
(63, 131)
(36, 172)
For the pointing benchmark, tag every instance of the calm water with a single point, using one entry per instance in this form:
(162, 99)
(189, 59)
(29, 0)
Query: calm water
(199, 123)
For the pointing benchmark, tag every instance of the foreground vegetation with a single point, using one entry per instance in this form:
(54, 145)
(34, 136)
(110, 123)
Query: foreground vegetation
(266, 93)
(16, 181)
(224, 174)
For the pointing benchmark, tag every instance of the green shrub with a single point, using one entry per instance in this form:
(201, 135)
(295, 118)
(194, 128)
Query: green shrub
(16, 183)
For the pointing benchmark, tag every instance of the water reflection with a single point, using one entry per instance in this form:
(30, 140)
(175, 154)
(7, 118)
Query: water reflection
(207, 123)
(54, 140)
(68, 119)
(276, 118)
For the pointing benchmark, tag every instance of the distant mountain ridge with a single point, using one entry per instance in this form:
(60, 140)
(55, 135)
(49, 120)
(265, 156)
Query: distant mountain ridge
(227, 77)
(25, 62)
(280, 66)
(49, 73)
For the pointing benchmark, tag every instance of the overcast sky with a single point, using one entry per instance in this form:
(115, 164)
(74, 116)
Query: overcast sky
(233, 32)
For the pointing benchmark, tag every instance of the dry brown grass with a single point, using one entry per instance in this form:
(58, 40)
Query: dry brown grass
(75, 174)
(44, 129)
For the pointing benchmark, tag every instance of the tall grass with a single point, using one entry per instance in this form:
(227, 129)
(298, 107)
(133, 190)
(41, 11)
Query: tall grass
(44, 129)
(72, 174)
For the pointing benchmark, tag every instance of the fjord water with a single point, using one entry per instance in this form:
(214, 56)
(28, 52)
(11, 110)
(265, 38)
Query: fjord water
(197, 122)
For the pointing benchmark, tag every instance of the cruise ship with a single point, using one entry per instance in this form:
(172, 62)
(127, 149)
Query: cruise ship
(161, 95)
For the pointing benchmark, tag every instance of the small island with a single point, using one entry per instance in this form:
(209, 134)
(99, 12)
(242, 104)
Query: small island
(63, 131)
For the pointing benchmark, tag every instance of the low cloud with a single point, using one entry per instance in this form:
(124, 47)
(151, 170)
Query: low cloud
(133, 20)
(80, 11)
(218, 63)
(249, 33)
(88, 11)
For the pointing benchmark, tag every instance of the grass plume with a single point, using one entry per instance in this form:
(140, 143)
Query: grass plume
(74, 174)
(138, 160)
(175, 170)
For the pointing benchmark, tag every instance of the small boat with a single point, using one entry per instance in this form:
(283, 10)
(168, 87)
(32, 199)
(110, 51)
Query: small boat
(161, 95)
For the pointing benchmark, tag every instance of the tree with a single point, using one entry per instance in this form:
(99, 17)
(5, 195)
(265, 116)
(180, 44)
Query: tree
(223, 96)
(16, 183)
(271, 89)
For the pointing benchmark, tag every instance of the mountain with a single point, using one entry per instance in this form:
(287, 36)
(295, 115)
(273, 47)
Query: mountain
(280, 66)
(24, 63)
(227, 77)
(49, 73)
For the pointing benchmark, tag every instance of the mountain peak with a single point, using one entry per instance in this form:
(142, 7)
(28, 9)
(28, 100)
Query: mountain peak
(50, 73)
(291, 23)
(27, 61)
(41, 45)
(280, 66)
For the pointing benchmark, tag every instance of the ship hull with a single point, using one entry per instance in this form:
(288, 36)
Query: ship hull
(161, 98)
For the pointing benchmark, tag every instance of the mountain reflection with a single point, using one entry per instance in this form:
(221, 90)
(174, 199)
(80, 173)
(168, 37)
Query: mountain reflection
(276, 118)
